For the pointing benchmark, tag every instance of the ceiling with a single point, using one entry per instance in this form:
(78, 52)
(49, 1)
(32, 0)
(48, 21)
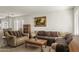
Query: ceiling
(27, 10)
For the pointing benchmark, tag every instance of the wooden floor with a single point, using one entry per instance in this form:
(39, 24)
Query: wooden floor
(74, 45)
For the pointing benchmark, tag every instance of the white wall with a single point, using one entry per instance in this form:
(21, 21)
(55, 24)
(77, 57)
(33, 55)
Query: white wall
(56, 21)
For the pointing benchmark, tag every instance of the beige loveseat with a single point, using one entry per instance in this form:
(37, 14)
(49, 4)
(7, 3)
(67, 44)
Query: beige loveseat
(15, 38)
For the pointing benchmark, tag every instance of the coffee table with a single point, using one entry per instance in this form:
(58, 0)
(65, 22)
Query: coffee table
(38, 42)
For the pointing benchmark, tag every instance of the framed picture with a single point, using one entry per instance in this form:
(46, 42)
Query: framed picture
(40, 21)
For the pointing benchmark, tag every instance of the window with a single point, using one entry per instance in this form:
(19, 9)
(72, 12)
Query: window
(15, 24)
(18, 24)
(4, 24)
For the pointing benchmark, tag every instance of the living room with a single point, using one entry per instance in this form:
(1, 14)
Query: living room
(56, 21)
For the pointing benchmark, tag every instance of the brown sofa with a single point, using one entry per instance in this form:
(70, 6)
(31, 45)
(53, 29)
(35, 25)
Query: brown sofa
(15, 38)
(50, 36)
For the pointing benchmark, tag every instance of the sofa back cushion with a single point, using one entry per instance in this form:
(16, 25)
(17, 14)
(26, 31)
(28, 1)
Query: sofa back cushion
(14, 33)
(41, 33)
(54, 34)
(47, 34)
(11, 32)
(7, 34)
(19, 33)
(63, 34)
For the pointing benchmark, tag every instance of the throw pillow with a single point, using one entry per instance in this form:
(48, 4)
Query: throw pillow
(20, 34)
(54, 34)
(41, 33)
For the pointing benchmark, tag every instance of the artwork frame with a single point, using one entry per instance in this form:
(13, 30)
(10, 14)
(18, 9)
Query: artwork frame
(40, 21)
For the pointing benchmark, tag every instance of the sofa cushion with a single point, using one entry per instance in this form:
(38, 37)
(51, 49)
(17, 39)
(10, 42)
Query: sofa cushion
(41, 33)
(47, 34)
(15, 33)
(10, 32)
(54, 34)
(7, 34)
(20, 40)
(61, 41)
(19, 34)
(63, 34)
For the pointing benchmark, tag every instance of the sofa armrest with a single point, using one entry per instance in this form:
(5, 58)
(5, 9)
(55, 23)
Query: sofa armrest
(11, 37)
(11, 40)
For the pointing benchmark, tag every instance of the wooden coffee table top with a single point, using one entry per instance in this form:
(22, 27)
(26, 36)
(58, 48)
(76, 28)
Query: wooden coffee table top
(37, 41)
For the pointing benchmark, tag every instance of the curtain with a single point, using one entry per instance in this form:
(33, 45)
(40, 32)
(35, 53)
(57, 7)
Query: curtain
(76, 20)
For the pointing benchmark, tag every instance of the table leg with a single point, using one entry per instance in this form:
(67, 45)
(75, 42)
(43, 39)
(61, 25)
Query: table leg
(42, 49)
(49, 49)
(45, 45)
(26, 45)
